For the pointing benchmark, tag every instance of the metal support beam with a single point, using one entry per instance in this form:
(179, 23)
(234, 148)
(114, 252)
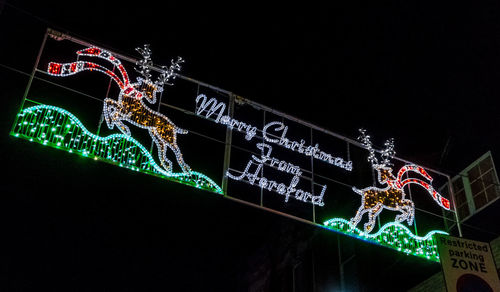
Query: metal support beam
(30, 81)
(227, 150)
(453, 201)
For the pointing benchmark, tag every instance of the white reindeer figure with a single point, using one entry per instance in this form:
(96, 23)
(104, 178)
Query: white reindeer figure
(392, 197)
(130, 104)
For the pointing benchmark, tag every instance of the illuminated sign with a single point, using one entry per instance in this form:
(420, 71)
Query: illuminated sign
(252, 177)
(273, 133)
(269, 132)
(270, 160)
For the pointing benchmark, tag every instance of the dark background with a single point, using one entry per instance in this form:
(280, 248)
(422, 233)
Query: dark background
(424, 73)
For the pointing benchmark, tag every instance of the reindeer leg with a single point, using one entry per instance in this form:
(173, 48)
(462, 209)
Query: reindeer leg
(162, 150)
(403, 216)
(411, 211)
(355, 220)
(404, 213)
(109, 108)
(180, 160)
(113, 116)
(165, 162)
(372, 214)
(124, 129)
(407, 212)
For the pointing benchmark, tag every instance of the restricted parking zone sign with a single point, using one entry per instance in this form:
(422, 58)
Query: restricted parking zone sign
(467, 265)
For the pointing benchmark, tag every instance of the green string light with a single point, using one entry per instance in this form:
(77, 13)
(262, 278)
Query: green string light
(393, 235)
(55, 127)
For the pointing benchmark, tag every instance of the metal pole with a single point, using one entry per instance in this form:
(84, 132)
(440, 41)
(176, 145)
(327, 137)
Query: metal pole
(341, 266)
(30, 81)
(293, 275)
(227, 151)
(452, 195)
(312, 179)
(262, 153)
(313, 266)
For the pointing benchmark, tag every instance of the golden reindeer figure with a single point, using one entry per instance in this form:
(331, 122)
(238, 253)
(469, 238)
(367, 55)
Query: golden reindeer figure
(130, 104)
(392, 196)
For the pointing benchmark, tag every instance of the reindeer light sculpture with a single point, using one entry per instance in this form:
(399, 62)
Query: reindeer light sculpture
(392, 196)
(130, 104)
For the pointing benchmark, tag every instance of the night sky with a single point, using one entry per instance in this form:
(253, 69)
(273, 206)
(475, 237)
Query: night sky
(424, 73)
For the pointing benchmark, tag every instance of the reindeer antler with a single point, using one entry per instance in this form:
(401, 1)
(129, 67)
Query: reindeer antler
(387, 154)
(169, 72)
(365, 139)
(144, 65)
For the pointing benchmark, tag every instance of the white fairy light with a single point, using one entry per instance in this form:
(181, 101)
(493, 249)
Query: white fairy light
(365, 139)
(300, 147)
(144, 65)
(211, 107)
(169, 72)
(388, 152)
(252, 177)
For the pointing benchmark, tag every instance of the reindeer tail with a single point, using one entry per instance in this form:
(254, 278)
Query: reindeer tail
(67, 69)
(440, 200)
(414, 168)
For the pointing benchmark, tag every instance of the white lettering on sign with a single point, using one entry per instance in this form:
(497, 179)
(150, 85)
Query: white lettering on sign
(273, 132)
(299, 147)
(253, 178)
(211, 107)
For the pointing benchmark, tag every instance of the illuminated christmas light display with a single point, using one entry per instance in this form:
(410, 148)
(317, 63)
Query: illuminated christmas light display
(58, 128)
(373, 200)
(393, 235)
(272, 133)
(130, 106)
(392, 197)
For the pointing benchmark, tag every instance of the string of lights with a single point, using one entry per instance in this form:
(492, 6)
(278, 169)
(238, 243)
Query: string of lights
(393, 235)
(58, 128)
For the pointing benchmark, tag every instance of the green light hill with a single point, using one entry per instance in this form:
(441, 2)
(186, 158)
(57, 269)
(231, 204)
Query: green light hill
(393, 235)
(58, 128)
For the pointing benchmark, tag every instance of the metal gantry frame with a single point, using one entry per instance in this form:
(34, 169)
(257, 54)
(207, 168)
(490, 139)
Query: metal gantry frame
(233, 98)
